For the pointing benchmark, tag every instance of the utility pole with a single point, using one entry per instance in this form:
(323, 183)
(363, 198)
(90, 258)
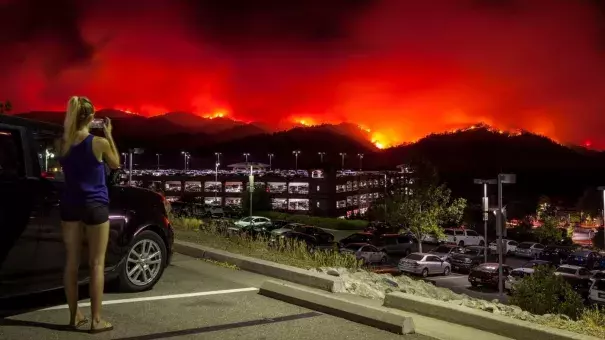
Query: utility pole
(216, 165)
(603, 215)
(270, 159)
(186, 156)
(218, 157)
(158, 160)
(485, 205)
(246, 156)
(502, 179)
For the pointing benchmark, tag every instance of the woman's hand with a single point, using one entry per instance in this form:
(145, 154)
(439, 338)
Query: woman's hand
(107, 127)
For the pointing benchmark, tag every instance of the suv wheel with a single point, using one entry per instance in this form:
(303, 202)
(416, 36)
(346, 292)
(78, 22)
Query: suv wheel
(144, 263)
(446, 271)
(461, 243)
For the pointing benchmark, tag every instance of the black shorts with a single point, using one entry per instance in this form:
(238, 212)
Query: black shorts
(89, 214)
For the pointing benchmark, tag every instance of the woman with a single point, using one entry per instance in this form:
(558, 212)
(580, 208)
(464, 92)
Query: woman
(85, 201)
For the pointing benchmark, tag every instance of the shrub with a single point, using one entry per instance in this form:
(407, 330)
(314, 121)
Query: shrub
(185, 223)
(546, 293)
(321, 222)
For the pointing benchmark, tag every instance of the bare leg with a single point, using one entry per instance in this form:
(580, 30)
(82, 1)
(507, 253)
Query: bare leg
(72, 237)
(97, 243)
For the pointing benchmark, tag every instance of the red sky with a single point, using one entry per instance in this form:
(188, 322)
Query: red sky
(401, 68)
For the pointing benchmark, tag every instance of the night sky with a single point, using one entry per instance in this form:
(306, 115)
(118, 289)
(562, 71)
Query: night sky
(403, 68)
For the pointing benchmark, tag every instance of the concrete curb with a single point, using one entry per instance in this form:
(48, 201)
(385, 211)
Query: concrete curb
(462, 315)
(378, 317)
(272, 269)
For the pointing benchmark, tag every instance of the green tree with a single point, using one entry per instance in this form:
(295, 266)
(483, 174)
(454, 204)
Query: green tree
(424, 211)
(261, 200)
(546, 293)
(549, 232)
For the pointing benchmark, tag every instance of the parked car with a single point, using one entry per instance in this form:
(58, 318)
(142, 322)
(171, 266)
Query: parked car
(288, 239)
(578, 277)
(529, 249)
(463, 237)
(597, 275)
(286, 227)
(470, 257)
(445, 251)
(486, 274)
(515, 277)
(379, 228)
(395, 244)
(424, 264)
(253, 221)
(365, 252)
(556, 254)
(585, 258)
(536, 263)
(32, 253)
(596, 294)
(509, 247)
(356, 238)
(322, 236)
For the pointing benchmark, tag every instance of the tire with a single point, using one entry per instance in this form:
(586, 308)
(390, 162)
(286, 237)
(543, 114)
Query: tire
(461, 244)
(147, 237)
(383, 259)
(481, 243)
(474, 284)
(425, 272)
(447, 271)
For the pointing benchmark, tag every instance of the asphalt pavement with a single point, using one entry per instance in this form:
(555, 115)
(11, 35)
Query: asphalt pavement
(193, 300)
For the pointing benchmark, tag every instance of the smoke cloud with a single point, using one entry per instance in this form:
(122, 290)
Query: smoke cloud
(401, 68)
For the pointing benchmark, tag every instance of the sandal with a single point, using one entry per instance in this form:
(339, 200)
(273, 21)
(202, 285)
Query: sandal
(79, 324)
(104, 326)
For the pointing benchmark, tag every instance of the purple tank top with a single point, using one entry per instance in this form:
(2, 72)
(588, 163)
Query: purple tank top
(84, 176)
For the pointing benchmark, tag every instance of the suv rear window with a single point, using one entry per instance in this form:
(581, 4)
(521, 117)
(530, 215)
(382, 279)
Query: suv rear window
(11, 158)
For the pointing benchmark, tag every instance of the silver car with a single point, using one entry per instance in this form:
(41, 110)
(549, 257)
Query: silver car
(424, 264)
(365, 252)
(529, 249)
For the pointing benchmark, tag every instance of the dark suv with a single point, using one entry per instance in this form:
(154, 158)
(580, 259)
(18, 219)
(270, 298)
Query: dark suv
(32, 253)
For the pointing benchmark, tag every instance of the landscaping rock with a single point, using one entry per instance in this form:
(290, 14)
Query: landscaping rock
(333, 272)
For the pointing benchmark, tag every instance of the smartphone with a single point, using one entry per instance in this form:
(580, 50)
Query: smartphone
(97, 123)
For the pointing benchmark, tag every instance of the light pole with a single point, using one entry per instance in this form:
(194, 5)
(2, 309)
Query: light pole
(603, 190)
(246, 156)
(485, 205)
(218, 156)
(321, 156)
(125, 155)
(360, 155)
(47, 155)
(186, 156)
(296, 153)
(158, 158)
(502, 179)
(342, 156)
(216, 165)
(270, 159)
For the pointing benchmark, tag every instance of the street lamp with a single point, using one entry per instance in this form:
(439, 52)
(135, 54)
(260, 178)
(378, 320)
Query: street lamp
(125, 155)
(603, 190)
(158, 157)
(360, 155)
(246, 156)
(342, 156)
(502, 179)
(296, 153)
(186, 156)
(270, 159)
(485, 204)
(218, 156)
(321, 156)
(216, 165)
(47, 155)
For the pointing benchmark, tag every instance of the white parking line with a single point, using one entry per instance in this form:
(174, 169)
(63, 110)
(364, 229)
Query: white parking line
(162, 297)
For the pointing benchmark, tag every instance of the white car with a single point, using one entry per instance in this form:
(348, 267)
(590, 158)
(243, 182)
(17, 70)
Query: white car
(252, 220)
(516, 276)
(529, 249)
(509, 246)
(424, 264)
(365, 252)
(596, 295)
(463, 237)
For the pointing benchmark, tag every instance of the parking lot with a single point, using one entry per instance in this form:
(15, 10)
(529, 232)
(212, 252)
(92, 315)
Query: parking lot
(194, 299)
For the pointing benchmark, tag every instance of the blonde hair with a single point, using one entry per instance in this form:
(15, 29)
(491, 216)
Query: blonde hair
(79, 109)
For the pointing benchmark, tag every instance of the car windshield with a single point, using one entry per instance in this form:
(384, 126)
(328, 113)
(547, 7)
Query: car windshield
(524, 245)
(472, 251)
(566, 270)
(246, 219)
(354, 247)
(517, 274)
(449, 232)
(600, 285)
(442, 249)
(415, 257)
